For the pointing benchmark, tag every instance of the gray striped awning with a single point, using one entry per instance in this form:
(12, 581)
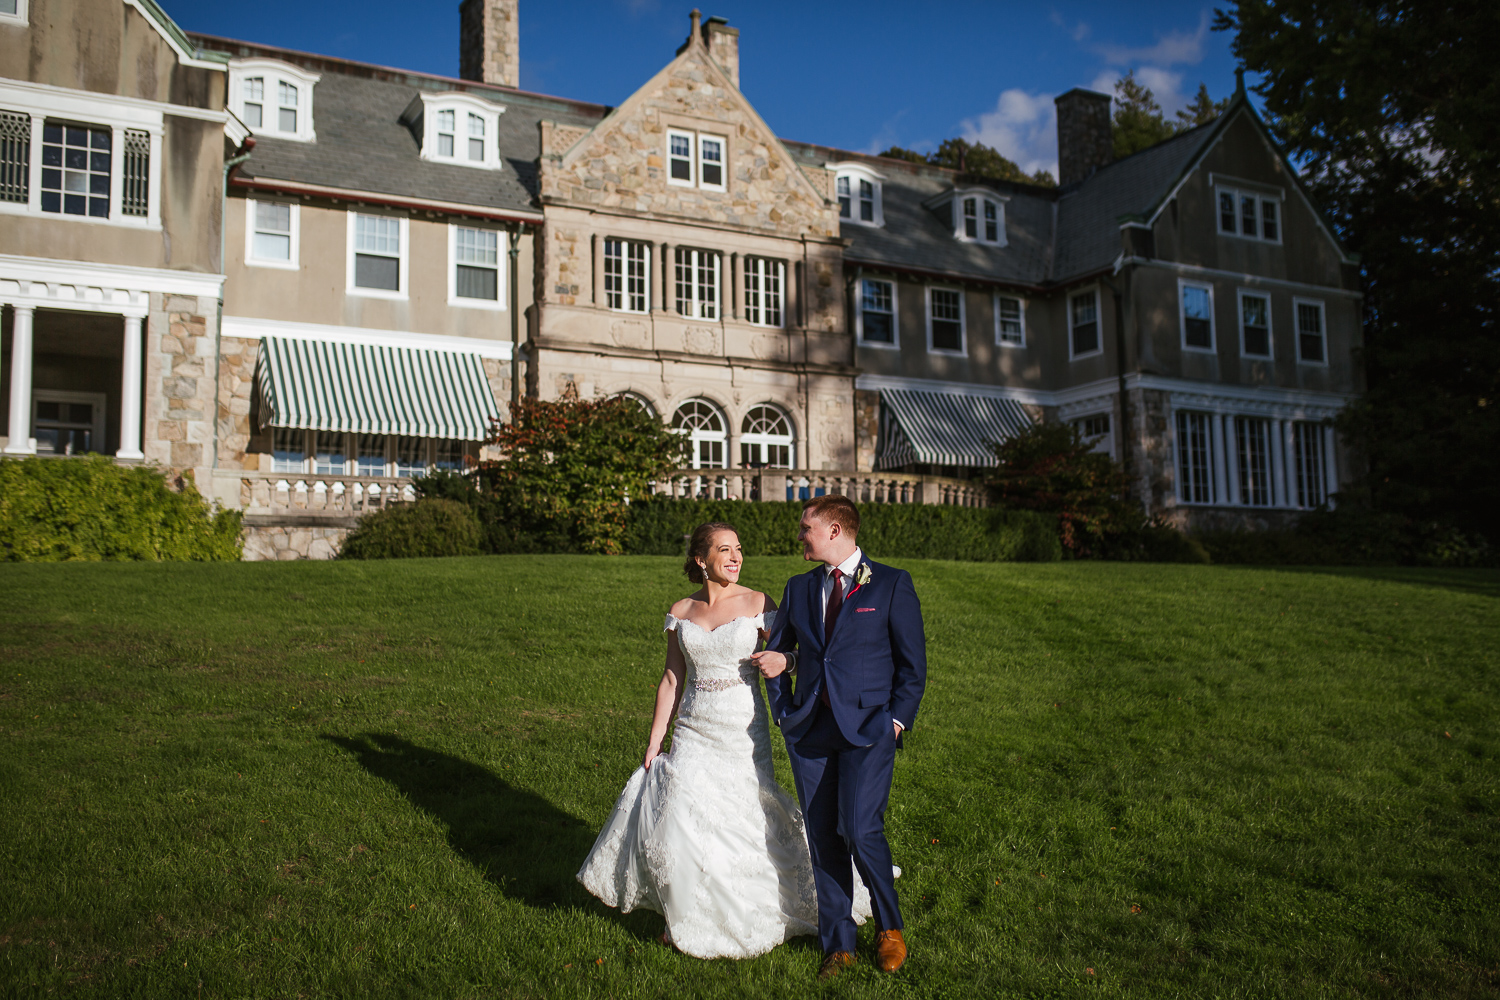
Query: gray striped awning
(942, 428)
(373, 389)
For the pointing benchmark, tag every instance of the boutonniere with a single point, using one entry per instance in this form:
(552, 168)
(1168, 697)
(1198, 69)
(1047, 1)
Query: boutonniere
(861, 577)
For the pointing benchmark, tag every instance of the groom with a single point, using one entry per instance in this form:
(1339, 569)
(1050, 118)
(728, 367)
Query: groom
(850, 632)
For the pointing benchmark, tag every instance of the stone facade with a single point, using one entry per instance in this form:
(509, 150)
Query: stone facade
(179, 398)
(237, 357)
(490, 41)
(288, 543)
(1085, 141)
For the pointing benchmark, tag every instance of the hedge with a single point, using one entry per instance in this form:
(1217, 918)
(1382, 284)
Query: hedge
(658, 527)
(427, 528)
(92, 510)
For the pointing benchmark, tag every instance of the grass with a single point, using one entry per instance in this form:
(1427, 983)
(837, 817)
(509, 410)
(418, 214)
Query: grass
(377, 780)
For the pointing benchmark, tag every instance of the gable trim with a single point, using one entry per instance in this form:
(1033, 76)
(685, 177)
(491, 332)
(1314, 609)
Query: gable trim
(188, 54)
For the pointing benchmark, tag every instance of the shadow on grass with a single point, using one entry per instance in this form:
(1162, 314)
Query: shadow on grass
(522, 843)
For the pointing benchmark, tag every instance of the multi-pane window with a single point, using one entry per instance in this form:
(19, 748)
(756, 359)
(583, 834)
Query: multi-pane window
(286, 106)
(1311, 334)
(369, 454)
(447, 454)
(680, 157)
(945, 319)
(764, 280)
(15, 157)
(979, 219)
(1197, 317)
(1095, 430)
(1309, 461)
(1252, 436)
(1253, 216)
(409, 456)
(1195, 456)
(288, 449)
(76, 163)
(625, 276)
(335, 453)
(1008, 325)
(255, 100)
(703, 424)
(135, 196)
(1255, 325)
(445, 132)
(711, 161)
(846, 197)
(697, 283)
(766, 439)
(273, 232)
(377, 252)
(877, 311)
(64, 427)
(476, 137)
(858, 197)
(328, 453)
(476, 262)
(1083, 311)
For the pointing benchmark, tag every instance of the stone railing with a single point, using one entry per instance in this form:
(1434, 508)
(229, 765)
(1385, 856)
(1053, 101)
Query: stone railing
(803, 484)
(292, 493)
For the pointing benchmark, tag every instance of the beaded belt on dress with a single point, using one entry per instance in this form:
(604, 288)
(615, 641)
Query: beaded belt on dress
(718, 683)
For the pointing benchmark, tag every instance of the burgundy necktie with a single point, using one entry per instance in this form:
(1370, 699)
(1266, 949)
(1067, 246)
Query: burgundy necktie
(830, 617)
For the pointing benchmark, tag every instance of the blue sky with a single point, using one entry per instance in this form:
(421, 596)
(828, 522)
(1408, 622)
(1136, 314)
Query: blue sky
(861, 76)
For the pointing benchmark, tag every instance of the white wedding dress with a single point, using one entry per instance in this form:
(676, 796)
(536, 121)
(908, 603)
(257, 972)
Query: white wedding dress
(706, 837)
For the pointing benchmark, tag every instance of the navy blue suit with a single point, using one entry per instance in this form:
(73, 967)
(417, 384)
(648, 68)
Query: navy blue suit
(873, 669)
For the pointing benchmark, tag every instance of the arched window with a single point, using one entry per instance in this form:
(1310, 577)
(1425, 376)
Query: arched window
(638, 400)
(766, 440)
(704, 425)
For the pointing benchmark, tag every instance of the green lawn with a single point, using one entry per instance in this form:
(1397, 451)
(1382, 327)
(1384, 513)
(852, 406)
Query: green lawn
(377, 780)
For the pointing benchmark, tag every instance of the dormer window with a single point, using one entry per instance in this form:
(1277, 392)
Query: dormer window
(979, 217)
(857, 188)
(441, 120)
(273, 98)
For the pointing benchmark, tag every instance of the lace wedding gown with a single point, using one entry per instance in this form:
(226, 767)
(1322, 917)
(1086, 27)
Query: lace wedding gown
(706, 837)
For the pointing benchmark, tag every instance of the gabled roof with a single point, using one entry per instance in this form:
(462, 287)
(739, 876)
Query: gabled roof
(362, 145)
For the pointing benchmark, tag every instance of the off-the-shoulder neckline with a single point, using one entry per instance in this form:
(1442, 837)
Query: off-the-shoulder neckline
(718, 626)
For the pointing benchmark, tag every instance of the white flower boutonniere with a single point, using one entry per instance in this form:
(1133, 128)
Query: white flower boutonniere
(862, 574)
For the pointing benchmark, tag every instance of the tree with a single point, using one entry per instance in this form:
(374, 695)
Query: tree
(1138, 122)
(1201, 110)
(569, 466)
(972, 158)
(1393, 111)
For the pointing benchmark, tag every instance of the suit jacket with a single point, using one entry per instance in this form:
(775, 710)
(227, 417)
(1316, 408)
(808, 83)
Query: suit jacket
(873, 666)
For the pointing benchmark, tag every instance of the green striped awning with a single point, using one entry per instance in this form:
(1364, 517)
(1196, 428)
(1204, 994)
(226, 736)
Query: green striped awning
(373, 389)
(944, 428)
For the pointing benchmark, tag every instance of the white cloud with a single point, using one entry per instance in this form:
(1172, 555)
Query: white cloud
(1176, 48)
(1078, 32)
(1022, 127)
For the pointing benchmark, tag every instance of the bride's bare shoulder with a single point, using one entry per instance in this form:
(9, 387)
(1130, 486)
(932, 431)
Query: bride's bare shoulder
(683, 608)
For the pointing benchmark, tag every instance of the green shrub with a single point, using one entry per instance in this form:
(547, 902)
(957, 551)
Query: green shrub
(893, 531)
(1153, 542)
(90, 509)
(1352, 534)
(426, 528)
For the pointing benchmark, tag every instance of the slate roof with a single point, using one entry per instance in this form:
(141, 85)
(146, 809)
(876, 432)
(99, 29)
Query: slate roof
(363, 146)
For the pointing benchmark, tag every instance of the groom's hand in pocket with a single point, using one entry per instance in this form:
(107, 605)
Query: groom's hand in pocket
(769, 662)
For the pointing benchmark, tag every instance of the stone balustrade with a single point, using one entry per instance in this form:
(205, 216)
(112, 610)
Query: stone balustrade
(803, 484)
(293, 493)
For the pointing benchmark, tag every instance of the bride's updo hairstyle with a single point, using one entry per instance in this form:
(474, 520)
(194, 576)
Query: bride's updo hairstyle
(698, 545)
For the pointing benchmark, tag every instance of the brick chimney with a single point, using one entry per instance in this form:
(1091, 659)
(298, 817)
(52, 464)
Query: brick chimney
(489, 41)
(724, 45)
(1084, 140)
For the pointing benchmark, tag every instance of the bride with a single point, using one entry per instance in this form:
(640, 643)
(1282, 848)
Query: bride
(703, 834)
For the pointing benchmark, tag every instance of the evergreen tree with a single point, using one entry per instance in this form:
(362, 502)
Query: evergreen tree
(1138, 122)
(1201, 110)
(972, 158)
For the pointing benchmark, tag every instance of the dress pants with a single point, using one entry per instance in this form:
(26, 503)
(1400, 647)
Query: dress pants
(844, 790)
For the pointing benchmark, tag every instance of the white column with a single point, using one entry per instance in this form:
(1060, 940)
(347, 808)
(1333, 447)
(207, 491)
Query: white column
(34, 197)
(130, 393)
(1220, 457)
(21, 441)
(1330, 463)
(153, 191)
(1289, 461)
(1231, 463)
(1278, 464)
(117, 173)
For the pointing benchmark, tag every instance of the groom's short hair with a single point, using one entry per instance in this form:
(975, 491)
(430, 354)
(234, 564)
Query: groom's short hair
(834, 509)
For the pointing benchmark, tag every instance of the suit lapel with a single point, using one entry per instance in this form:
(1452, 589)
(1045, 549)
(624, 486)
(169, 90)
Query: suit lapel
(815, 606)
(843, 616)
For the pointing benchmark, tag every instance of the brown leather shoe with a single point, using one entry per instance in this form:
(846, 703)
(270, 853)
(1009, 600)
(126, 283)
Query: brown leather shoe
(890, 951)
(835, 962)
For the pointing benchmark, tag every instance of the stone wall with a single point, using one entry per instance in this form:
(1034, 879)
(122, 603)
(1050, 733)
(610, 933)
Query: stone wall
(866, 428)
(287, 543)
(178, 432)
(236, 380)
(489, 41)
(1151, 449)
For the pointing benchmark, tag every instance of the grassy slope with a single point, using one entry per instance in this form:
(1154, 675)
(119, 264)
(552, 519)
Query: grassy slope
(376, 780)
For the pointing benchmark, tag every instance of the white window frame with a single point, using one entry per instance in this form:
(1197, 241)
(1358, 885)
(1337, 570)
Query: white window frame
(1098, 323)
(90, 110)
(981, 196)
(1251, 293)
(402, 279)
(461, 105)
(698, 301)
(1106, 443)
(647, 253)
(859, 316)
(98, 400)
(1239, 193)
(963, 326)
(1322, 307)
(274, 72)
(21, 17)
(856, 172)
(1000, 341)
(1214, 421)
(698, 436)
(462, 302)
(769, 267)
(723, 142)
(761, 441)
(292, 263)
(692, 157)
(1183, 285)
